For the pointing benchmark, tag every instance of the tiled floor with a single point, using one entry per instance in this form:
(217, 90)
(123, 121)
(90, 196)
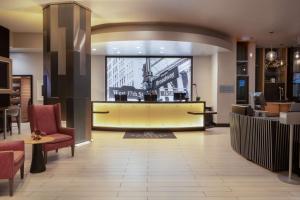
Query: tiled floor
(195, 166)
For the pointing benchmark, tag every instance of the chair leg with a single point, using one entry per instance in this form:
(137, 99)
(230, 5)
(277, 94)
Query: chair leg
(45, 157)
(10, 128)
(9, 124)
(73, 150)
(22, 171)
(11, 187)
(56, 150)
(19, 125)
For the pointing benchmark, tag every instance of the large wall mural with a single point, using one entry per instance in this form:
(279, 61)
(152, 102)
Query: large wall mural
(136, 76)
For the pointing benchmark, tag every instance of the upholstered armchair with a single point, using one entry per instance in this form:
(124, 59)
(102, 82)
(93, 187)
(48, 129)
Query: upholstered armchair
(12, 156)
(47, 119)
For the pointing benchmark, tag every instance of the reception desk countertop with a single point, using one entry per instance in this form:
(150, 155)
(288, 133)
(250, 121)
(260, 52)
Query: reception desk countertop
(148, 115)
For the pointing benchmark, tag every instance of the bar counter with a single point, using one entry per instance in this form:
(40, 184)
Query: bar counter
(148, 115)
(274, 108)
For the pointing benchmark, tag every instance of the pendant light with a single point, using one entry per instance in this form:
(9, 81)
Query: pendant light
(271, 55)
(297, 54)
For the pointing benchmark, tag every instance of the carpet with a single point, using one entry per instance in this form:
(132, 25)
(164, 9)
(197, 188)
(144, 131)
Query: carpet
(149, 135)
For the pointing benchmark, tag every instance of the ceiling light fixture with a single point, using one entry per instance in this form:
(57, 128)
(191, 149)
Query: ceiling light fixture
(139, 52)
(297, 54)
(94, 49)
(161, 52)
(271, 55)
(138, 47)
(162, 48)
(118, 52)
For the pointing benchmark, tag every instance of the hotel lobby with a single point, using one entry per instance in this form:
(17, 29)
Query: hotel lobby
(150, 100)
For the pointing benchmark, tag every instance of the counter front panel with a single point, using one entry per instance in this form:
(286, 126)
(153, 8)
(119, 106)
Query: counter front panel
(263, 141)
(142, 115)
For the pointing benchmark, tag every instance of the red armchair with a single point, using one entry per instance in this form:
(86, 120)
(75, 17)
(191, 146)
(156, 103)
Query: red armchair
(12, 156)
(47, 118)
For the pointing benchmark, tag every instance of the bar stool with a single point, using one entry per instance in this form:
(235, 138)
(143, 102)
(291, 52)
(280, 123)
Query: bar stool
(13, 114)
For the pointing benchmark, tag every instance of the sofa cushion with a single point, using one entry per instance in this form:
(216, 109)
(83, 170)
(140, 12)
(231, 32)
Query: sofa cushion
(45, 118)
(18, 156)
(58, 137)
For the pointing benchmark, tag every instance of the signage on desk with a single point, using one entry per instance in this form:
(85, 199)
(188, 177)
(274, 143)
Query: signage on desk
(130, 91)
(165, 78)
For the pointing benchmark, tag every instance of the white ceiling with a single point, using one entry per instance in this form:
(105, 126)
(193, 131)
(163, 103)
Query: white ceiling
(153, 48)
(237, 18)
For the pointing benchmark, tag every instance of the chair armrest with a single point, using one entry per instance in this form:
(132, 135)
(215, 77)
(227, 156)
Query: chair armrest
(67, 131)
(17, 145)
(6, 164)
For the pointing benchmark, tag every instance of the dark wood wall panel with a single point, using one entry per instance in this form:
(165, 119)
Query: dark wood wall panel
(4, 42)
(4, 52)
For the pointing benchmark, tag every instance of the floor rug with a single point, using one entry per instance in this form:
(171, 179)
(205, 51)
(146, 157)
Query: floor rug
(149, 135)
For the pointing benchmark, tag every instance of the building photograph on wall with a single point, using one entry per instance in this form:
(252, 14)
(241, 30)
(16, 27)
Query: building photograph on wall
(137, 76)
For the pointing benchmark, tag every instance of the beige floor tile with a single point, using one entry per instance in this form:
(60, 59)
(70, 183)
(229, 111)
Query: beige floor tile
(196, 165)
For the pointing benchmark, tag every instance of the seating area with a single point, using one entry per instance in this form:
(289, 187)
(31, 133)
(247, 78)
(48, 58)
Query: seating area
(46, 119)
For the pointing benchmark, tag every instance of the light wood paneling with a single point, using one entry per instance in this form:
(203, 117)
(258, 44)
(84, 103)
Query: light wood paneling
(274, 108)
(25, 97)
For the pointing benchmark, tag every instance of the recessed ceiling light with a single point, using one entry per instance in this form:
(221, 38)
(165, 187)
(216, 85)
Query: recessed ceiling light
(93, 49)
(161, 52)
(115, 48)
(162, 48)
(138, 47)
(139, 52)
(245, 38)
(118, 52)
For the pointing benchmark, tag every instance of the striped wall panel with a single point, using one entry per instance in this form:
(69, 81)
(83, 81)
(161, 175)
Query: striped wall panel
(263, 141)
(235, 128)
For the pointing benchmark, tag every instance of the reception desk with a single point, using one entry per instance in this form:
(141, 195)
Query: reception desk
(148, 115)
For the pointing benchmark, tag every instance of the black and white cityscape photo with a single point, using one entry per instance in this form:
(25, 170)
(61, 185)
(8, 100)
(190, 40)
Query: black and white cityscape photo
(136, 76)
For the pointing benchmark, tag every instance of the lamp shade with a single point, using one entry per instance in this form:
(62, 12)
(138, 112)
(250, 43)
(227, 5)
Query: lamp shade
(271, 56)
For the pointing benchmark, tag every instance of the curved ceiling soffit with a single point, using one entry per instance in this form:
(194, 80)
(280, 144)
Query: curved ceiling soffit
(160, 31)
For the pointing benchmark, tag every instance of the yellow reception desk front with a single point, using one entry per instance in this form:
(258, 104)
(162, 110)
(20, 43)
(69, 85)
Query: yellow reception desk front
(148, 115)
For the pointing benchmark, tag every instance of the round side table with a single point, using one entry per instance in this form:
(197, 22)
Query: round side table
(38, 162)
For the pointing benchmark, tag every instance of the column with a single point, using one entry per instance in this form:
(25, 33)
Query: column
(67, 64)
